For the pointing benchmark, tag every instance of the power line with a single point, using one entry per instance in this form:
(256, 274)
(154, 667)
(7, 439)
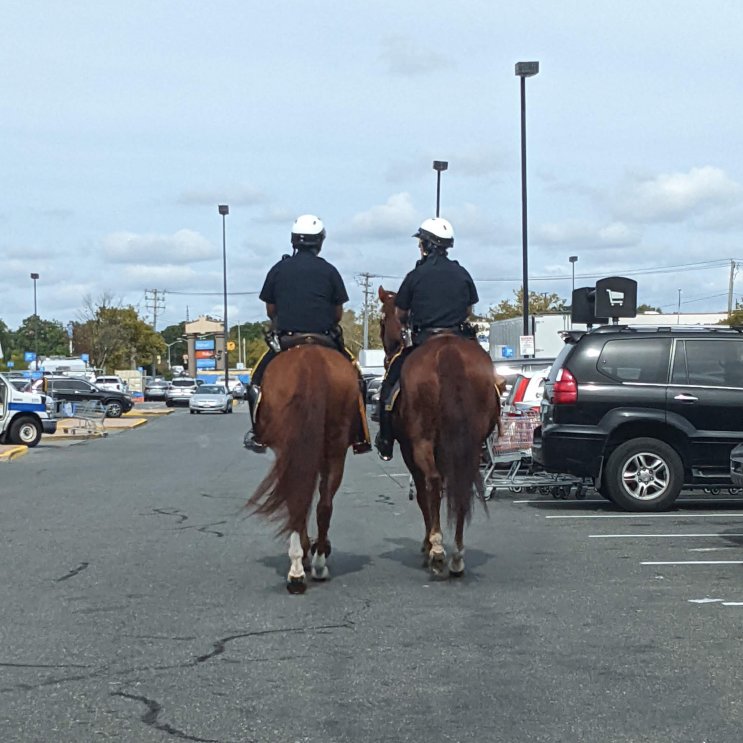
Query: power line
(208, 294)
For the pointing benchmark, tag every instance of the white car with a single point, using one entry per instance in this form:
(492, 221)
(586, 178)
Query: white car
(210, 397)
(111, 383)
(237, 388)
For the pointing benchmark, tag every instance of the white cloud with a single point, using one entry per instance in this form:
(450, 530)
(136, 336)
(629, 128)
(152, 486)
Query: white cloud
(403, 57)
(139, 277)
(675, 197)
(472, 164)
(578, 233)
(394, 219)
(185, 246)
(231, 195)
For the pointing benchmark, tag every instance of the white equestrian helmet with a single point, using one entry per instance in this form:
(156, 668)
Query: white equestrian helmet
(308, 230)
(437, 231)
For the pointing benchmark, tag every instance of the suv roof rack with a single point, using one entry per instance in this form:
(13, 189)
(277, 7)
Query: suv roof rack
(724, 329)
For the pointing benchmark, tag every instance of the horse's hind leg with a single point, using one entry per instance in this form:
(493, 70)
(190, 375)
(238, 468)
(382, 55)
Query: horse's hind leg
(421, 496)
(330, 481)
(424, 460)
(456, 566)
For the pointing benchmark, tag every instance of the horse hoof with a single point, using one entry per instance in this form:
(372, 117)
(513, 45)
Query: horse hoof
(296, 586)
(320, 575)
(456, 573)
(437, 564)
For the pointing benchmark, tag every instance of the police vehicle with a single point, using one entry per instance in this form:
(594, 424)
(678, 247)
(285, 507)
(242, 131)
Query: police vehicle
(23, 415)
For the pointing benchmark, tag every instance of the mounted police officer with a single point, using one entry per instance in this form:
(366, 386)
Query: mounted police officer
(304, 296)
(436, 297)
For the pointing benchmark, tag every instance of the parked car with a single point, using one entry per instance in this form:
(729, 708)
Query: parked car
(111, 383)
(155, 389)
(526, 392)
(74, 389)
(644, 411)
(509, 369)
(237, 388)
(373, 385)
(180, 391)
(210, 397)
(736, 466)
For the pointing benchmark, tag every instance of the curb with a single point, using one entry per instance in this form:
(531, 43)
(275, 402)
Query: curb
(136, 422)
(14, 453)
(138, 413)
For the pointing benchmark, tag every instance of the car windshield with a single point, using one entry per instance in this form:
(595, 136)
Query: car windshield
(211, 389)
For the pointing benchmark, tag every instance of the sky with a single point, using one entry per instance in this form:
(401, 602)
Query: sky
(124, 125)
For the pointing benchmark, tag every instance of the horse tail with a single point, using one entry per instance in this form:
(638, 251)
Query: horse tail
(459, 445)
(285, 494)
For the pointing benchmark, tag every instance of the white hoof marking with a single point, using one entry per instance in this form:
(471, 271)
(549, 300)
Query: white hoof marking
(296, 570)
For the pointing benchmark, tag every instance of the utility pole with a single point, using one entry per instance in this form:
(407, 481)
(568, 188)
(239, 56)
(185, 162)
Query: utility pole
(365, 283)
(154, 301)
(733, 268)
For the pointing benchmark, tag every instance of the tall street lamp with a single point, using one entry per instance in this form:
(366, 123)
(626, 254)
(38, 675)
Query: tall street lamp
(224, 210)
(35, 278)
(524, 70)
(573, 260)
(439, 166)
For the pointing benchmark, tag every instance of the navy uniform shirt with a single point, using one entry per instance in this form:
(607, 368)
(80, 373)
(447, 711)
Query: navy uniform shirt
(438, 293)
(306, 290)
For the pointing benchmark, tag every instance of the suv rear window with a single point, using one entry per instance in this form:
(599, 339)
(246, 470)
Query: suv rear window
(183, 383)
(643, 360)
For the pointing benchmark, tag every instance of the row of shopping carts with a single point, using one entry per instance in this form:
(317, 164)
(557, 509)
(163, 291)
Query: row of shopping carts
(507, 463)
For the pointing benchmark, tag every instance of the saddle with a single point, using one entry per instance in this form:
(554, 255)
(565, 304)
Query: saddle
(292, 340)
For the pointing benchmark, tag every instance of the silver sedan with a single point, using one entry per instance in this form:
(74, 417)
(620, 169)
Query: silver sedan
(210, 397)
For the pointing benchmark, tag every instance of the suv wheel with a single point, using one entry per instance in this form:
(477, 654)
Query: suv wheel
(643, 475)
(114, 409)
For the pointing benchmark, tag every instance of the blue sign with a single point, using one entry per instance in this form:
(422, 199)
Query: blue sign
(85, 357)
(506, 352)
(29, 356)
(206, 364)
(10, 364)
(204, 345)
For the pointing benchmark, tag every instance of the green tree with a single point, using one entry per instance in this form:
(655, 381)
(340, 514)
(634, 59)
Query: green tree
(52, 340)
(539, 304)
(115, 337)
(648, 308)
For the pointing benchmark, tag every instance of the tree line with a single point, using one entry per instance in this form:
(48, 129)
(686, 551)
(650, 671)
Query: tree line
(115, 336)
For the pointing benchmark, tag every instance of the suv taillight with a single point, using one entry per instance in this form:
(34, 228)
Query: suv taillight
(565, 388)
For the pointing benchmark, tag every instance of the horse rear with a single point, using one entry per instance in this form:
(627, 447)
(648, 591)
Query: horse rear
(449, 404)
(309, 403)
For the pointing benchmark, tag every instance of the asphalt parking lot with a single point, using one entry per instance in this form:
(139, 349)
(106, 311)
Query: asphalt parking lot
(140, 604)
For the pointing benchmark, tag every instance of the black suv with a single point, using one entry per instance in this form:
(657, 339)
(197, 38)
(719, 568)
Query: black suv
(74, 389)
(644, 411)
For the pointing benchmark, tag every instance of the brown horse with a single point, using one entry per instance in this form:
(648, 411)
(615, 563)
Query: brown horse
(448, 405)
(309, 406)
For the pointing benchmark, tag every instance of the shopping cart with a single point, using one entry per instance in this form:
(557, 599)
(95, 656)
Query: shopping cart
(507, 463)
(87, 415)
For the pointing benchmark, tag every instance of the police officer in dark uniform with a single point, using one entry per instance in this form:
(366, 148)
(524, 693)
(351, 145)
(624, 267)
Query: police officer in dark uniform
(303, 294)
(435, 297)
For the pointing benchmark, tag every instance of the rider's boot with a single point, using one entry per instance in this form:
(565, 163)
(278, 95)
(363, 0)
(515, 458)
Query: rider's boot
(250, 441)
(384, 441)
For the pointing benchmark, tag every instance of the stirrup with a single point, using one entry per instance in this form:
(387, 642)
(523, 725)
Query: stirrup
(250, 443)
(361, 447)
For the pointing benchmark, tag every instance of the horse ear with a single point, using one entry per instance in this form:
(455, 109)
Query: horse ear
(382, 293)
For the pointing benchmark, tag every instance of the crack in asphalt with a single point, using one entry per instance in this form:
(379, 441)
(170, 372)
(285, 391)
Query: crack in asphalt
(221, 645)
(204, 530)
(73, 572)
(153, 712)
(172, 512)
(42, 665)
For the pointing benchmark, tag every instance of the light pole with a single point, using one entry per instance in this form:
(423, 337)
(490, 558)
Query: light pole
(678, 313)
(524, 70)
(35, 278)
(224, 210)
(573, 260)
(439, 166)
(170, 345)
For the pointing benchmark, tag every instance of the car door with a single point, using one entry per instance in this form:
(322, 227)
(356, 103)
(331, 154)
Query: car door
(707, 391)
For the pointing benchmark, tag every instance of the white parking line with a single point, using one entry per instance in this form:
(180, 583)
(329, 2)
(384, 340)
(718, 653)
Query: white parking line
(732, 603)
(657, 536)
(711, 549)
(694, 562)
(674, 515)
